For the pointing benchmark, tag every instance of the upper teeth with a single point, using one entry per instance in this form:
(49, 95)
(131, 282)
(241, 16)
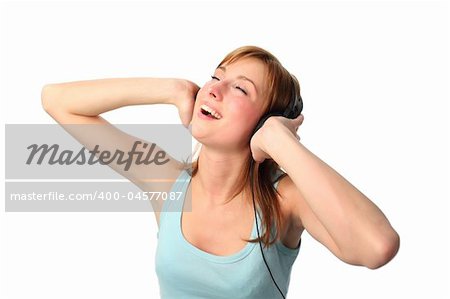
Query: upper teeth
(212, 111)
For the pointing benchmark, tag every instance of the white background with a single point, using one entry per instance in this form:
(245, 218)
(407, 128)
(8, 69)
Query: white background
(375, 84)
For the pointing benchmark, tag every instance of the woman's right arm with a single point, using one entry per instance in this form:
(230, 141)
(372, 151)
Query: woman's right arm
(93, 97)
(82, 102)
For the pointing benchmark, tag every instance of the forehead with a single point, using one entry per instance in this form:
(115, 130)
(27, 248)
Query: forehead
(251, 68)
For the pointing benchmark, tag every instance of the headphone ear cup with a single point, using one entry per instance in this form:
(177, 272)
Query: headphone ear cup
(296, 109)
(291, 112)
(263, 120)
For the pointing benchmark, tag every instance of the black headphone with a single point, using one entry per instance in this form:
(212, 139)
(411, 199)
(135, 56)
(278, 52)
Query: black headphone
(292, 111)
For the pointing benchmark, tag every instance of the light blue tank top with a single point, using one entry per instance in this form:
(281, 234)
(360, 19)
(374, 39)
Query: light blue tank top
(185, 271)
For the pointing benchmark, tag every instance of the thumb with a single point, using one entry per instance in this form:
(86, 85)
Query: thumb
(298, 121)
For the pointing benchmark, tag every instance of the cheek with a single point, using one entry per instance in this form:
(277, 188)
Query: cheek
(244, 114)
(202, 90)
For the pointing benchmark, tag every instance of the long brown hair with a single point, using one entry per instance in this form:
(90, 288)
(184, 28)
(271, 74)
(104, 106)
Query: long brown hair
(281, 86)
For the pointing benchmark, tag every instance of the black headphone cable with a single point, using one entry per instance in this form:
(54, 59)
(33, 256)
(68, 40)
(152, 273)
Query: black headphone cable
(257, 229)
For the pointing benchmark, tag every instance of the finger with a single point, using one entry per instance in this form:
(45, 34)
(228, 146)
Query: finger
(298, 120)
(258, 158)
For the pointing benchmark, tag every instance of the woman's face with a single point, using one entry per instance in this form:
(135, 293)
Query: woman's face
(235, 96)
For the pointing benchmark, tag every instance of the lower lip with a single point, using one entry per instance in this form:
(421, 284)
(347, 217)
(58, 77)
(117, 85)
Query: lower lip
(202, 116)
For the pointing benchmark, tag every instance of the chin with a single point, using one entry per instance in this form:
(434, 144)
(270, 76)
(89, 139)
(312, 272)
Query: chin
(197, 131)
(225, 138)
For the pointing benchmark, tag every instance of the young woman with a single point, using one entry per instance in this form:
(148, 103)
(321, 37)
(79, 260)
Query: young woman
(211, 251)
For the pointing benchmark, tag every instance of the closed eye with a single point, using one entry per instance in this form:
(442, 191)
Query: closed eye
(241, 89)
(237, 87)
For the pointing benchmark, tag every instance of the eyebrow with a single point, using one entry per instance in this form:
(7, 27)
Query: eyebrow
(239, 77)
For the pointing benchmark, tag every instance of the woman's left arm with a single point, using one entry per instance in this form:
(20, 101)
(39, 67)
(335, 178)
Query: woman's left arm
(329, 207)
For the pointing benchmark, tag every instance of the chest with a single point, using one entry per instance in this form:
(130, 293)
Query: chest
(217, 231)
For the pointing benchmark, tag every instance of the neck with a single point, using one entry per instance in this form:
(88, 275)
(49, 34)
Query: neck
(218, 174)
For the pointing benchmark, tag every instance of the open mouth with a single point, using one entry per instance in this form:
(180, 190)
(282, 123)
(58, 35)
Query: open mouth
(209, 112)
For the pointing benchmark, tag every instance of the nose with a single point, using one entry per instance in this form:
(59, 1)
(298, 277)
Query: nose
(215, 91)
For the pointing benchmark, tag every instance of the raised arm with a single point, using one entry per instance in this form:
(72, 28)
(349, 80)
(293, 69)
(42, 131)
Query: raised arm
(324, 203)
(82, 102)
(65, 101)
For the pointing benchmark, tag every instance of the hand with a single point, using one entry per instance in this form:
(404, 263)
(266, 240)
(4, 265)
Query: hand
(278, 124)
(185, 100)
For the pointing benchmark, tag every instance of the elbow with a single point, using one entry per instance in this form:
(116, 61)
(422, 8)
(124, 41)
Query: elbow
(48, 94)
(384, 251)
